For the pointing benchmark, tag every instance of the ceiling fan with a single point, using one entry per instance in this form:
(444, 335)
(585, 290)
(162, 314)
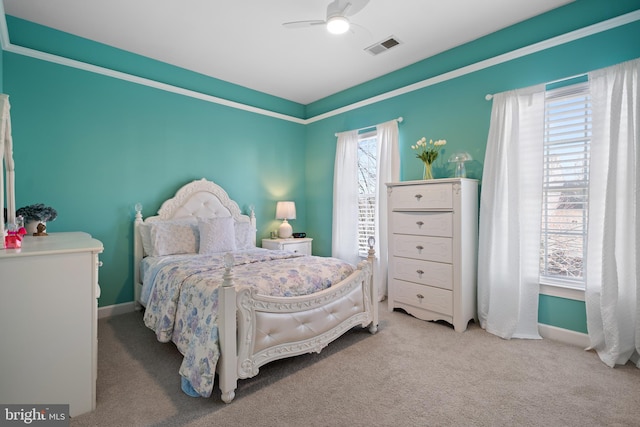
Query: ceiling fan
(336, 20)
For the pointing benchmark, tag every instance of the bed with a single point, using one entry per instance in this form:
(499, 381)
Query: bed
(231, 307)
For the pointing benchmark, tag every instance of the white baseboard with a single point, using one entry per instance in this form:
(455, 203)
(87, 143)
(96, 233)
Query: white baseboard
(546, 331)
(116, 309)
(564, 335)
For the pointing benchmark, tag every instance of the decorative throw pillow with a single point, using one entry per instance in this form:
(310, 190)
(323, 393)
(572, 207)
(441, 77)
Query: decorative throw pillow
(217, 235)
(245, 235)
(180, 236)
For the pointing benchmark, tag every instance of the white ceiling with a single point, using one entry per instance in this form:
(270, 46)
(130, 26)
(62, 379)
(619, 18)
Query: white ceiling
(244, 42)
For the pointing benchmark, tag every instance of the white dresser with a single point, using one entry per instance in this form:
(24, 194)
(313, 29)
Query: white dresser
(299, 246)
(48, 312)
(433, 239)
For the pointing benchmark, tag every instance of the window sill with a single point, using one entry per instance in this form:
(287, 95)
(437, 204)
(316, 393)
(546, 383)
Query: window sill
(562, 292)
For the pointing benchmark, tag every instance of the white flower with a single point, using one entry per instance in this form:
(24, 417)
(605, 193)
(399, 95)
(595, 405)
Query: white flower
(428, 152)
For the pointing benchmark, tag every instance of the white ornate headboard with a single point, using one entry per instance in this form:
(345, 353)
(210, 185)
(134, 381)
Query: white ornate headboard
(197, 199)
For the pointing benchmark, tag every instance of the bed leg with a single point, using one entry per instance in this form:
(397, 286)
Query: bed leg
(228, 396)
(227, 334)
(373, 327)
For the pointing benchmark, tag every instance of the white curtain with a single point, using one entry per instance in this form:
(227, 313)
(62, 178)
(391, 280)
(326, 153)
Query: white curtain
(345, 197)
(612, 288)
(510, 214)
(344, 239)
(388, 171)
(6, 154)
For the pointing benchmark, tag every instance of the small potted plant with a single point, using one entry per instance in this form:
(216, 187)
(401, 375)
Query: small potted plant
(35, 215)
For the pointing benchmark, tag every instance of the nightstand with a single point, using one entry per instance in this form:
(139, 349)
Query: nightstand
(299, 246)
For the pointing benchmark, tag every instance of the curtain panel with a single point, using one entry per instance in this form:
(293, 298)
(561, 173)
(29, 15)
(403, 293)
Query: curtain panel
(612, 294)
(344, 242)
(344, 238)
(388, 167)
(510, 214)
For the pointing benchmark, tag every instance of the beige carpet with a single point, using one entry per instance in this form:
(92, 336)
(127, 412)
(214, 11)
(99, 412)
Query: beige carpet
(411, 373)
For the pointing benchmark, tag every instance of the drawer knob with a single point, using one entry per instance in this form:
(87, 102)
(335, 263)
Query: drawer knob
(420, 223)
(419, 248)
(420, 273)
(420, 296)
(418, 197)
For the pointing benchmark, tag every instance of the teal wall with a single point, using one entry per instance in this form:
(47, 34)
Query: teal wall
(563, 313)
(92, 146)
(456, 110)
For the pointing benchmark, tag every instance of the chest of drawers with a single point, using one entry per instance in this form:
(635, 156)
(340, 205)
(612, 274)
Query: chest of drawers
(433, 229)
(49, 312)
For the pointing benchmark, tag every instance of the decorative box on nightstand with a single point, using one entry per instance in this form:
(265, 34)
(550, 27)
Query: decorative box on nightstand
(299, 246)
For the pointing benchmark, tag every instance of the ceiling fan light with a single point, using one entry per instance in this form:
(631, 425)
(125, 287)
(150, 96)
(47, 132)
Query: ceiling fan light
(338, 25)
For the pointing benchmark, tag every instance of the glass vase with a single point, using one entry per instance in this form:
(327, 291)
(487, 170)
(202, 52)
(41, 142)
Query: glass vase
(428, 173)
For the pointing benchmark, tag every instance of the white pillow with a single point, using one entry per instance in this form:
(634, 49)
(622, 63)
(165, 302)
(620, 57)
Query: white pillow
(180, 236)
(245, 233)
(217, 235)
(145, 235)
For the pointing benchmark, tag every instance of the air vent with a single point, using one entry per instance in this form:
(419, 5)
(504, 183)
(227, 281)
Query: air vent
(383, 46)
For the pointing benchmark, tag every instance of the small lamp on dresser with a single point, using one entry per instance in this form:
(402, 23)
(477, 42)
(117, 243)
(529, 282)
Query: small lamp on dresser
(459, 158)
(284, 211)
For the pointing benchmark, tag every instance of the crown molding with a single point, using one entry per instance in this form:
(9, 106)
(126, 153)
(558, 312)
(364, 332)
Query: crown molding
(609, 24)
(496, 60)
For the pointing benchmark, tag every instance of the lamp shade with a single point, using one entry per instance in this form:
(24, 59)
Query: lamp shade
(459, 158)
(285, 210)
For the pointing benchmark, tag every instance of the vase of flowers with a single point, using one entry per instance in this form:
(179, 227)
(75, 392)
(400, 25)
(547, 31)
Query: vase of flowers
(428, 153)
(35, 215)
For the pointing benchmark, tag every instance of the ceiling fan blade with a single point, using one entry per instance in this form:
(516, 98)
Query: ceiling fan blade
(302, 24)
(357, 28)
(345, 7)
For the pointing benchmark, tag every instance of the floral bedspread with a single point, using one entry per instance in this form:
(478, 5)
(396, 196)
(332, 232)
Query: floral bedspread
(183, 303)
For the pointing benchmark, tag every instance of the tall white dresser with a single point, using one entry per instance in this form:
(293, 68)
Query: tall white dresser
(48, 312)
(433, 239)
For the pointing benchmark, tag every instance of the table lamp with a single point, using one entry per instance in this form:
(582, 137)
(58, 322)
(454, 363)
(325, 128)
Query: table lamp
(459, 158)
(285, 211)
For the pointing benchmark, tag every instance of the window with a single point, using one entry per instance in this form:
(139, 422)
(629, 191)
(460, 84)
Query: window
(367, 178)
(567, 136)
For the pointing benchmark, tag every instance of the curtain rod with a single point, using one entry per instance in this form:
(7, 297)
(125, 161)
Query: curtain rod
(399, 120)
(489, 96)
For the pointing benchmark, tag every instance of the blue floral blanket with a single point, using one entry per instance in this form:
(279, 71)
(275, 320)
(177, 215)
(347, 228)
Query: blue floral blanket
(183, 302)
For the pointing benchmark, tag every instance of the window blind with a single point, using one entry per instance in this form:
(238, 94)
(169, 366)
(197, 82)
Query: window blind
(367, 178)
(567, 137)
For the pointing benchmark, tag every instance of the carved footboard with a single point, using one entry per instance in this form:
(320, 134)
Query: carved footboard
(271, 328)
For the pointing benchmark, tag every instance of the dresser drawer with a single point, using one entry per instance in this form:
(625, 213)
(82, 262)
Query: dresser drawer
(428, 248)
(423, 223)
(431, 196)
(298, 248)
(424, 297)
(424, 272)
